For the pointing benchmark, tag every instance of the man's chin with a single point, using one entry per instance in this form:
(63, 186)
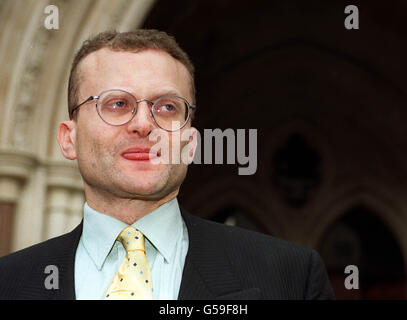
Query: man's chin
(144, 191)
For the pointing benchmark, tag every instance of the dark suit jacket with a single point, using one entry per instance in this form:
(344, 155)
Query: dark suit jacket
(222, 262)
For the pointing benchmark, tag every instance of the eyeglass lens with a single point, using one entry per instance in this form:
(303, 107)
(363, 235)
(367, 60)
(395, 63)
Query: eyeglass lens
(116, 108)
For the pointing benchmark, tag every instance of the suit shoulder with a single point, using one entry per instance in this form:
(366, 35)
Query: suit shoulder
(239, 237)
(22, 272)
(280, 268)
(37, 252)
(241, 244)
(24, 256)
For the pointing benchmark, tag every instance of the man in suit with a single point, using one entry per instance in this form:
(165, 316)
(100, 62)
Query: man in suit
(123, 89)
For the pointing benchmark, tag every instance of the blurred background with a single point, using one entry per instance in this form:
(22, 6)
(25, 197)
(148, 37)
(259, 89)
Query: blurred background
(328, 103)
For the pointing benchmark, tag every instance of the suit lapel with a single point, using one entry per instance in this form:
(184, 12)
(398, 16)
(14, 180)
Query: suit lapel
(208, 273)
(63, 256)
(69, 262)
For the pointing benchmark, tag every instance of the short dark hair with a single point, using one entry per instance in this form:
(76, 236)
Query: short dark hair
(132, 41)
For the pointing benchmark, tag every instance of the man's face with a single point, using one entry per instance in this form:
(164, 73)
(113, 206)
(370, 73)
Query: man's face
(99, 147)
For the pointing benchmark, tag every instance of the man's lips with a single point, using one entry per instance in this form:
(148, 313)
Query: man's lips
(139, 154)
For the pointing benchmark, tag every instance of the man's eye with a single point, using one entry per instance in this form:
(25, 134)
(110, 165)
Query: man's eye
(168, 107)
(165, 108)
(118, 104)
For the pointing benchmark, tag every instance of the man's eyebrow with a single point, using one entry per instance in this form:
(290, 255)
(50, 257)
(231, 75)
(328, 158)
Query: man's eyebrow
(166, 92)
(159, 93)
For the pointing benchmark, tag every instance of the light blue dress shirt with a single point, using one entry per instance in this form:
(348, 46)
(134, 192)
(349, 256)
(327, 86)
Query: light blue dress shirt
(99, 255)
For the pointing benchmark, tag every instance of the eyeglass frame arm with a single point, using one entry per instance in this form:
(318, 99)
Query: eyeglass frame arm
(86, 101)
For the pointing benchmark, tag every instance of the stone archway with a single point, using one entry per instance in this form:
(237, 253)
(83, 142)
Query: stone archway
(42, 187)
(387, 215)
(359, 238)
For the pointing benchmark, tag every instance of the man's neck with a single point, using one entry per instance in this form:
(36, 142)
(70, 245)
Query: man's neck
(125, 209)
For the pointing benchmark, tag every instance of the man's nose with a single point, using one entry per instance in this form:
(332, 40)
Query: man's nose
(143, 122)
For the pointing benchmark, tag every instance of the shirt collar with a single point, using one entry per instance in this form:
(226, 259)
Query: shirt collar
(162, 227)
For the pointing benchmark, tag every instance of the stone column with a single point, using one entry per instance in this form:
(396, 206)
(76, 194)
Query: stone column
(20, 223)
(9, 191)
(65, 199)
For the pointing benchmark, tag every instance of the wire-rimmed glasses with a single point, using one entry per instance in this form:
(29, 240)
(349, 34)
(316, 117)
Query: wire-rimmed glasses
(117, 107)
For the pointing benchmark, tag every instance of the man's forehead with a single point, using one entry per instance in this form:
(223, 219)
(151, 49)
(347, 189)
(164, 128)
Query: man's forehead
(117, 63)
(105, 57)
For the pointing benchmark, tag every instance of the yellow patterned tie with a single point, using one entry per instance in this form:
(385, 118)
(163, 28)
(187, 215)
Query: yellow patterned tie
(133, 280)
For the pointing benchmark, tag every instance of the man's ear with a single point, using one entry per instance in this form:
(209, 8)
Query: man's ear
(189, 153)
(194, 139)
(67, 139)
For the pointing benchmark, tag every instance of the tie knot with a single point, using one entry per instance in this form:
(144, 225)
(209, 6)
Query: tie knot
(132, 239)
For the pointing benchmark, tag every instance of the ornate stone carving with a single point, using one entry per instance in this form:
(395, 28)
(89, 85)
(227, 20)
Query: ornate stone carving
(26, 96)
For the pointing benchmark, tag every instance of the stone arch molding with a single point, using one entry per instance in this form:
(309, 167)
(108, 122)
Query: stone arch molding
(383, 207)
(35, 64)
